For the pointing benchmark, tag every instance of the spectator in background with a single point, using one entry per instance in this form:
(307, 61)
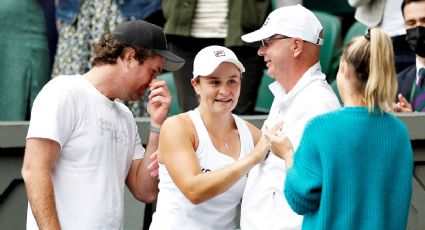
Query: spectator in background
(280, 3)
(387, 15)
(194, 24)
(215, 147)
(344, 174)
(291, 38)
(83, 147)
(24, 66)
(411, 86)
(85, 22)
(49, 9)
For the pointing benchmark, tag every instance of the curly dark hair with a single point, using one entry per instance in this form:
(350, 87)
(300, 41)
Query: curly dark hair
(107, 52)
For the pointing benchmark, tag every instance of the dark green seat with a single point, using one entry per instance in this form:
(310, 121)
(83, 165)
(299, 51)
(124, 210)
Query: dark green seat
(335, 89)
(357, 29)
(331, 33)
(265, 96)
(329, 6)
(174, 108)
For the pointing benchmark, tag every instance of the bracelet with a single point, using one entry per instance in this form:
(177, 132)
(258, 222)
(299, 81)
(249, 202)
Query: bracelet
(154, 129)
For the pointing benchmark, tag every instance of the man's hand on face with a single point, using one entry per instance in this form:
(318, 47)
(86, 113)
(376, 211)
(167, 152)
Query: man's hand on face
(159, 101)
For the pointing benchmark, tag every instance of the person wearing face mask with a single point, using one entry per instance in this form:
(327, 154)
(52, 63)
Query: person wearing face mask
(411, 81)
(386, 15)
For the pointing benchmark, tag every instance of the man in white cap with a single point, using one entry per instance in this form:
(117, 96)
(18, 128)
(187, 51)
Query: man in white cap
(291, 40)
(83, 147)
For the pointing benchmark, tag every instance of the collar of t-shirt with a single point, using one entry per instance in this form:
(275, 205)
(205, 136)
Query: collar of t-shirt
(312, 74)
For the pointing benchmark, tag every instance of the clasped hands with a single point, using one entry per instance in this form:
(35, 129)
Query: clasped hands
(280, 145)
(274, 139)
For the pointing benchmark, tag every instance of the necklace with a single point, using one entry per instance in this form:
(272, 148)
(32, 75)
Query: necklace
(226, 146)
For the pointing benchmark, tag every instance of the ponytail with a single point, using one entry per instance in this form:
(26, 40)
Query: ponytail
(381, 87)
(373, 60)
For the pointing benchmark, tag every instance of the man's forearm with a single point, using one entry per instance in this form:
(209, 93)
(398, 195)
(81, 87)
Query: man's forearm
(41, 198)
(145, 182)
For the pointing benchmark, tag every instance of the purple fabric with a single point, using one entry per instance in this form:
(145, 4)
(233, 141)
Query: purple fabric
(419, 101)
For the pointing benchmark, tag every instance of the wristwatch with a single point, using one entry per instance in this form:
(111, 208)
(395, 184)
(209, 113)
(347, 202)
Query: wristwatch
(154, 129)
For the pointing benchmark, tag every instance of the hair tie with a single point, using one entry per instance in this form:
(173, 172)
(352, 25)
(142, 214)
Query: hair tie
(367, 34)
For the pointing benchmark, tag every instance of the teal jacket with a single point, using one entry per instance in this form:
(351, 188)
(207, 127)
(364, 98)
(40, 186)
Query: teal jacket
(244, 17)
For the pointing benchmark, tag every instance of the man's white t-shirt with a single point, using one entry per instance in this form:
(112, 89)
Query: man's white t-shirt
(264, 205)
(98, 140)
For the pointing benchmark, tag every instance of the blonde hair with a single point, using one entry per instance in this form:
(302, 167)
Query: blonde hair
(372, 57)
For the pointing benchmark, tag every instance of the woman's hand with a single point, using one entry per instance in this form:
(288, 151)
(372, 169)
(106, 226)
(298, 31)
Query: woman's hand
(153, 167)
(280, 144)
(262, 148)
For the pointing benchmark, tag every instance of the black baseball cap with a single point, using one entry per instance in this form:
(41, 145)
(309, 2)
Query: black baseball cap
(147, 35)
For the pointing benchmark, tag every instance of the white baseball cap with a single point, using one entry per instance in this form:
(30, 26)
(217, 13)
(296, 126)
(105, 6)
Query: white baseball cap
(292, 21)
(210, 57)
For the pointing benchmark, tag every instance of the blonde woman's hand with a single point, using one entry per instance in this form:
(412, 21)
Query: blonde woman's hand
(280, 144)
(264, 144)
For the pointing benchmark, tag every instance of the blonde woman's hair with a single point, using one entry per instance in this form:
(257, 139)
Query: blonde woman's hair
(372, 57)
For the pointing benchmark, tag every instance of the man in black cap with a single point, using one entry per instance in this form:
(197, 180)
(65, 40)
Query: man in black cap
(82, 145)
